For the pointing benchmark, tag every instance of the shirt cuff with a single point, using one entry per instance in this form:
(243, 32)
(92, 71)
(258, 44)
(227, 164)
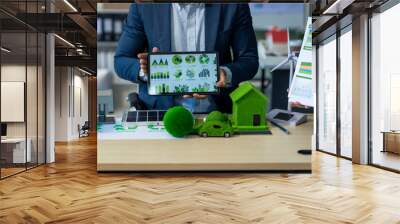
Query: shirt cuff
(228, 78)
(142, 76)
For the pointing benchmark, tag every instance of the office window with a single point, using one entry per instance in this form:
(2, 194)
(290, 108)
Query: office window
(385, 89)
(327, 96)
(346, 93)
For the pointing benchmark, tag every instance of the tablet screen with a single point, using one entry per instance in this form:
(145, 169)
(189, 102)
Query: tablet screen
(182, 73)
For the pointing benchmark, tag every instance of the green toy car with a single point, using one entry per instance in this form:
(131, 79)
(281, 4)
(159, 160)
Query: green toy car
(216, 124)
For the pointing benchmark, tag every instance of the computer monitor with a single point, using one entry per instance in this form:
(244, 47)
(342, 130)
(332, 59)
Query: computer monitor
(3, 130)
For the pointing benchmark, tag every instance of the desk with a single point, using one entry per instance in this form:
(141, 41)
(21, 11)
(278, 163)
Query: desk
(276, 152)
(391, 141)
(18, 152)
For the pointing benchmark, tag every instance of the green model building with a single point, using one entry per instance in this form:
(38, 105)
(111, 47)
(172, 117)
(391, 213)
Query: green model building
(249, 109)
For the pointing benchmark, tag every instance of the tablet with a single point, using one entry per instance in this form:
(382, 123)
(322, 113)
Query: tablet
(179, 73)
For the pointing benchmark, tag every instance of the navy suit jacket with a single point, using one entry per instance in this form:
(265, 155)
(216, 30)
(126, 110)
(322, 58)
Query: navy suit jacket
(227, 27)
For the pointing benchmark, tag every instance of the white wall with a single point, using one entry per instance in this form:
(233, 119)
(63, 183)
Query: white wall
(70, 84)
(80, 94)
(62, 81)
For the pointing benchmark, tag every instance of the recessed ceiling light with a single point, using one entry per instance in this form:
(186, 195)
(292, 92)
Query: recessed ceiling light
(64, 40)
(70, 5)
(84, 71)
(5, 50)
(337, 7)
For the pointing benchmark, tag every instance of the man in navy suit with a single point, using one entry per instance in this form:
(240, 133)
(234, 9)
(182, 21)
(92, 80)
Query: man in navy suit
(225, 28)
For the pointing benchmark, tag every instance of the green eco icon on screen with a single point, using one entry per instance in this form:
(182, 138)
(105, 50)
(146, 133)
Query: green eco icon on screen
(204, 73)
(190, 73)
(178, 74)
(159, 75)
(190, 59)
(181, 88)
(161, 63)
(176, 59)
(201, 88)
(204, 59)
(163, 88)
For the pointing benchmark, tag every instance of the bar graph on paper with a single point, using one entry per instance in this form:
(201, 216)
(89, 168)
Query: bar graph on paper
(301, 88)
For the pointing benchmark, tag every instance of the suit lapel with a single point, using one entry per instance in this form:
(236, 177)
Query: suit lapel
(212, 14)
(163, 27)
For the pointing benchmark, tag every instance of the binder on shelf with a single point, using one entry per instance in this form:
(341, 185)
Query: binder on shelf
(118, 25)
(99, 28)
(108, 28)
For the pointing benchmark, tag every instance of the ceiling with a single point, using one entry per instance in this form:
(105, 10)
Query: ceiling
(74, 22)
(329, 16)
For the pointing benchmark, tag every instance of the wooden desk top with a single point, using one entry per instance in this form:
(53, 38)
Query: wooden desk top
(13, 140)
(240, 152)
(391, 132)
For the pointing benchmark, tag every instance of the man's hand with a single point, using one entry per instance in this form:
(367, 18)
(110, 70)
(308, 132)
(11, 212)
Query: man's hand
(221, 83)
(143, 60)
(298, 105)
(222, 79)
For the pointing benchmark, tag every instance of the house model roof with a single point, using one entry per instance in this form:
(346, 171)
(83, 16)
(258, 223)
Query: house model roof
(243, 89)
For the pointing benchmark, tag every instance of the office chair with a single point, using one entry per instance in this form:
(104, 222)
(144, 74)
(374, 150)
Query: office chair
(84, 130)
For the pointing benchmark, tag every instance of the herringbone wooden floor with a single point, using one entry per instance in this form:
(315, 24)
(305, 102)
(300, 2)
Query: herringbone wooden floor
(70, 191)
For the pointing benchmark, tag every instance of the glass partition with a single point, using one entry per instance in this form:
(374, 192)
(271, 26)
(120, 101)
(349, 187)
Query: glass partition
(327, 96)
(14, 153)
(385, 90)
(22, 88)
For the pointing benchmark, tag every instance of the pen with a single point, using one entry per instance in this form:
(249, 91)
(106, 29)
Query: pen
(280, 127)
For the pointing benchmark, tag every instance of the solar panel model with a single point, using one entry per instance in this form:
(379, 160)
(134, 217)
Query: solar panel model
(144, 117)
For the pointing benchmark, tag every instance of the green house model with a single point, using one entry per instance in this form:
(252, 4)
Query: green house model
(249, 109)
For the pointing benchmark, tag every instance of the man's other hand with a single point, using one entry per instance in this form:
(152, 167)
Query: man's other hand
(143, 60)
(298, 105)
